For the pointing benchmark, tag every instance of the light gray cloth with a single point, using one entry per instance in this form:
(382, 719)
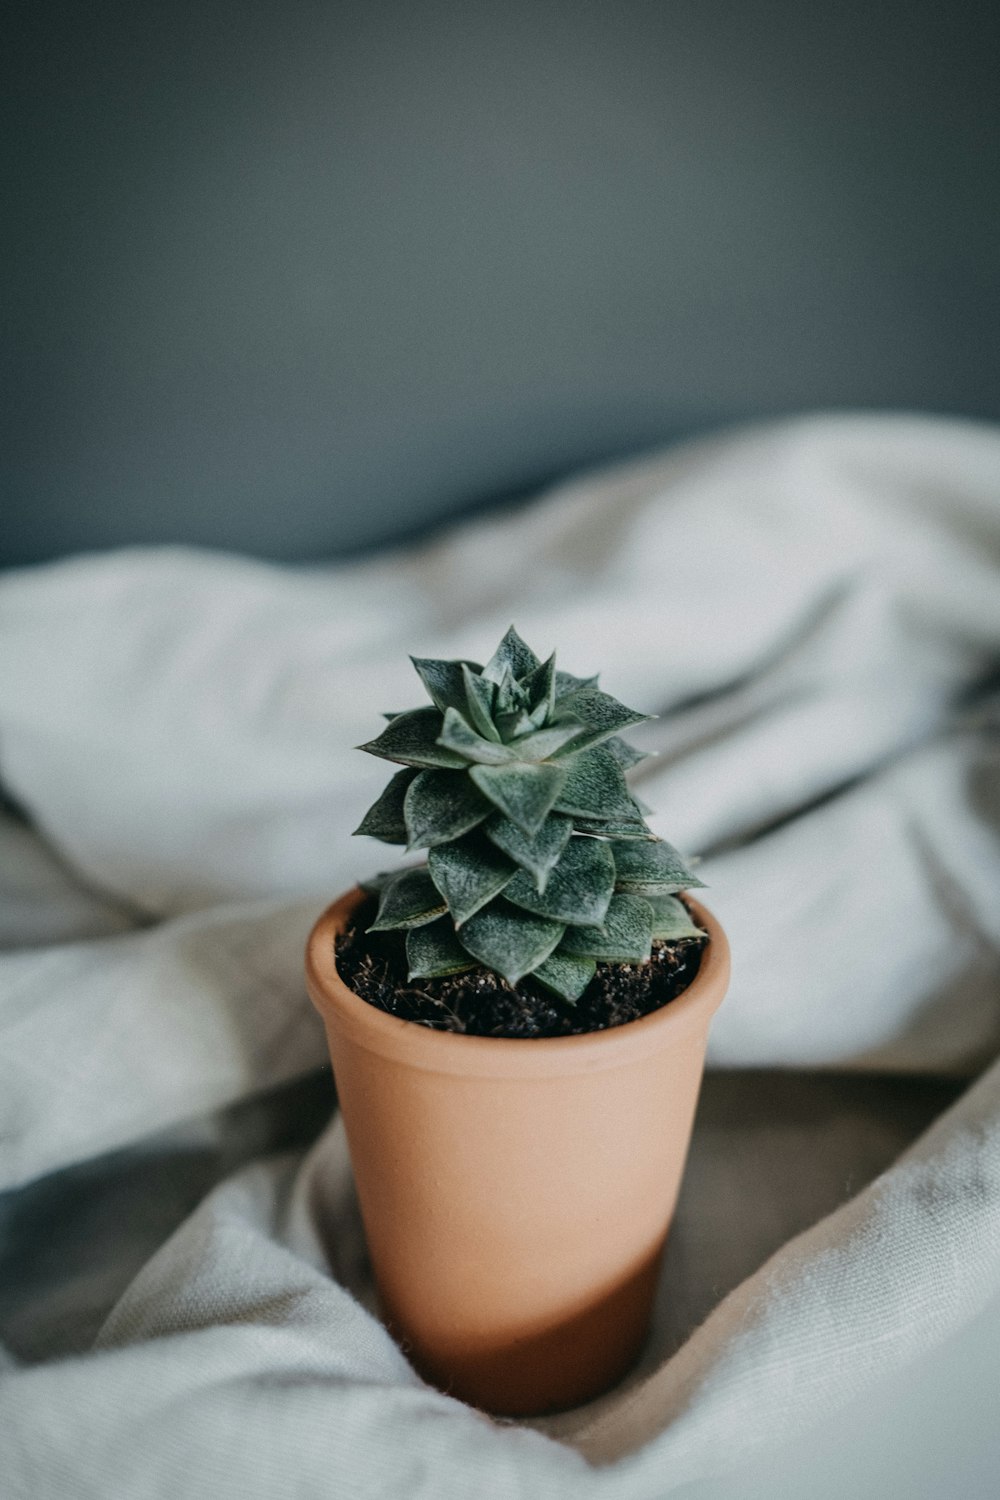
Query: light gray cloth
(814, 612)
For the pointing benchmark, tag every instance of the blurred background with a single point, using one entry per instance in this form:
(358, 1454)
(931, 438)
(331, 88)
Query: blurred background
(299, 279)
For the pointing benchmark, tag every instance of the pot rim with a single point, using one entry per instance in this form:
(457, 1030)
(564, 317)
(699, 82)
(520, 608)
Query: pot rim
(417, 1046)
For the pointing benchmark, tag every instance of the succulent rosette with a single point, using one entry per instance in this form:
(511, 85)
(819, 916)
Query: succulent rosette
(539, 859)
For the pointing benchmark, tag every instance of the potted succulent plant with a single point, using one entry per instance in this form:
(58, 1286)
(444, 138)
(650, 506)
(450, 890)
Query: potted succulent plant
(517, 1028)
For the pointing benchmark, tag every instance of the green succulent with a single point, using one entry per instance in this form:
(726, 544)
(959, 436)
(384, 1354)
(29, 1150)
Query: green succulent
(539, 859)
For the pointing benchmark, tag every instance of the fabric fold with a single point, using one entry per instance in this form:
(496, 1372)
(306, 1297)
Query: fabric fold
(812, 609)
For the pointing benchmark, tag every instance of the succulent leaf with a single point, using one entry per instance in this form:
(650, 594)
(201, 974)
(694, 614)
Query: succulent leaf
(469, 872)
(539, 744)
(540, 686)
(442, 805)
(518, 721)
(525, 794)
(537, 855)
(480, 699)
(511, 715)
(409, 899)
(384, 819)
(513, 656)
(671, 919)
(578, 889)
(616, 828)
(457, 734)
(566, 684)
(565, 974)
(444, 680)
(651, 869)
(601, 715)
(509, 941)
(595, 787)
(625, 936)
(411, 740)
(434, 952)
(625, 754)
(511, 697)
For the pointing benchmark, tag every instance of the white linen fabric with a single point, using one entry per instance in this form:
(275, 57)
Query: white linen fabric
(813, 611)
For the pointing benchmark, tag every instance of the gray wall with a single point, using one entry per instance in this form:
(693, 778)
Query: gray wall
(294, 278)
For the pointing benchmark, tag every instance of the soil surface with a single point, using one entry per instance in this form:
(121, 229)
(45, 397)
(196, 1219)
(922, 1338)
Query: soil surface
(480, 1003)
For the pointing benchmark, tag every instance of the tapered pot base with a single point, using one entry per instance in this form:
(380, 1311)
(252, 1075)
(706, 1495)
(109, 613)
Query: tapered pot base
(549, 1369)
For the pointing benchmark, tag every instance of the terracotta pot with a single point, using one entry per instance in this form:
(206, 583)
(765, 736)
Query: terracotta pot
(516, 1194)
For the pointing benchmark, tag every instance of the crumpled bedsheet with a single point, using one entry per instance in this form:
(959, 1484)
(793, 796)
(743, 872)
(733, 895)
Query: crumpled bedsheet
(812, 609)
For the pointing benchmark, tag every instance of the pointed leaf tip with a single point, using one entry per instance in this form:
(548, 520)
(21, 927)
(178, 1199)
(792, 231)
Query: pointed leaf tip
(526, 794)
(385, 818)
(458, 735)
(651, 869)
(443, 680)
(625, 936)
(540, 686)
(434, 952)
(442, 805)
(409, 899)
(411, 738)
(578, 889)
(601, 715)
(595, 786)
(509, 941)
(565, 975)
(625, 754)
(512, 654)
(537, 855)
(671, 919)
(545, 744)
(480, 698)
(469, 872)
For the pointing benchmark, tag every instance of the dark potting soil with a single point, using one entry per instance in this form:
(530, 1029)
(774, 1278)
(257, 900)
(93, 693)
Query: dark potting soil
(480, 1003)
